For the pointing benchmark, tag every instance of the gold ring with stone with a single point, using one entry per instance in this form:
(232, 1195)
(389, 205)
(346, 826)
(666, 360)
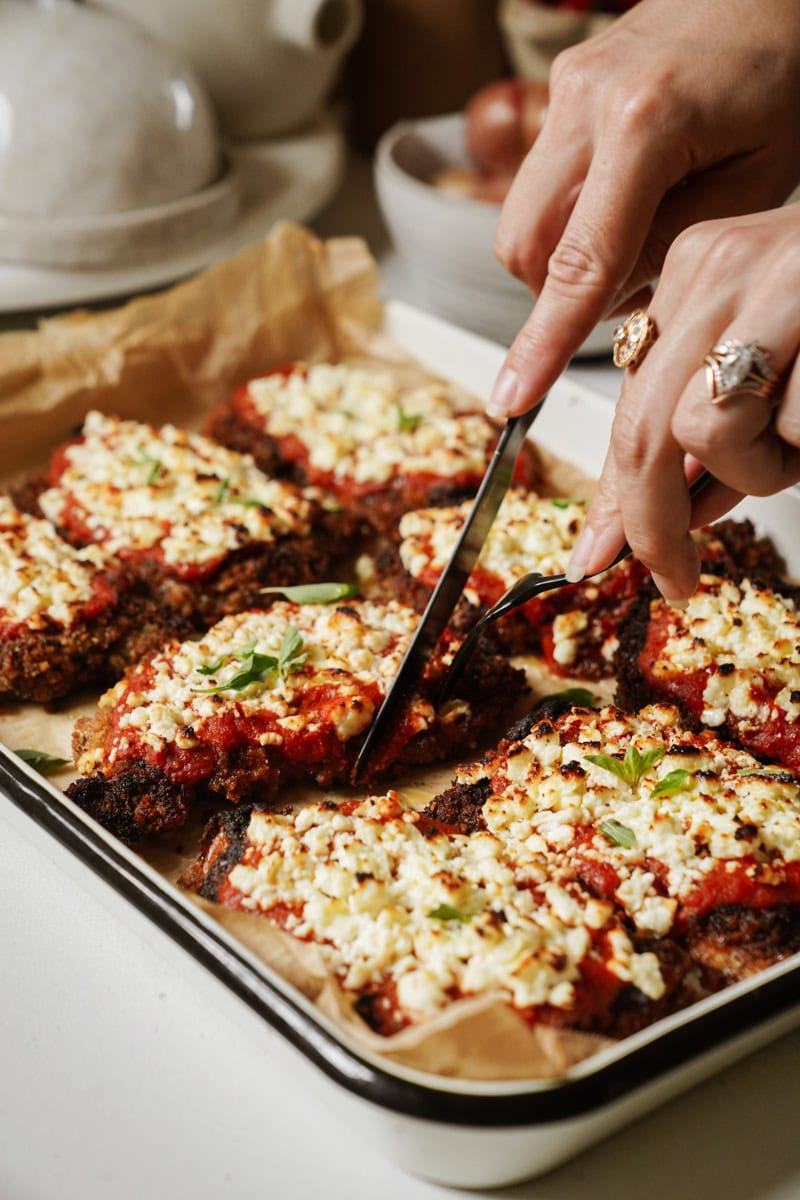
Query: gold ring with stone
(735, 368)
(633, 338)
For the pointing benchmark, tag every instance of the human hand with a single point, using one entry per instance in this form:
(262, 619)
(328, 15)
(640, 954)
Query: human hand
(735, 278)
(675, 114)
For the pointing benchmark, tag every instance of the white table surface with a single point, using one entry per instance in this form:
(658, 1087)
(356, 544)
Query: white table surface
(122, 1079)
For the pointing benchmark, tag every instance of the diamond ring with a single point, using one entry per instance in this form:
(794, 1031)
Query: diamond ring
(633, 338)
(735, 368)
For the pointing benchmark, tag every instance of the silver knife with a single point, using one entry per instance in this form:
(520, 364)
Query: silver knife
(448, 590)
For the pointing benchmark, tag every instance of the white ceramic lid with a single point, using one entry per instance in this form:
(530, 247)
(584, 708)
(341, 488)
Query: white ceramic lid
(95, 117)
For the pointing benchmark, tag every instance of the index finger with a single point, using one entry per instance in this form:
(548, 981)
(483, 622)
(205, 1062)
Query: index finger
(596, 253)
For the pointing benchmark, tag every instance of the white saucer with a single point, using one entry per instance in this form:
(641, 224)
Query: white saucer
(289, 177)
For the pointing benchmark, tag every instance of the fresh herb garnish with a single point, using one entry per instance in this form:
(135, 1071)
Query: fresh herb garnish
(561, 503)
(210, 668)
(242, 653)
(407, 422)
(155, 464)
(770, 772)
(292, 655)
(618, 833)
(223, 496)
(44, 762)
(315, 593)
(256, 667)
(445, 912)
(675, 781)
(632, 767)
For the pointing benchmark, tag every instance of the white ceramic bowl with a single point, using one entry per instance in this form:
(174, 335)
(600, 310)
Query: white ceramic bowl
(447, 240)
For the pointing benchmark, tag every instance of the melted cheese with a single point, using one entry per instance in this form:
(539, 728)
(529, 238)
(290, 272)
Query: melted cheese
(352, 653)
(42, 578)
(367, 886)
(530, 533)
(361, 426)
(546, 791)
(141, 489)
(367, 883)
(749, 639)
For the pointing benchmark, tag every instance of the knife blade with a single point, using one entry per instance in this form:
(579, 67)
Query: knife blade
(451, 583)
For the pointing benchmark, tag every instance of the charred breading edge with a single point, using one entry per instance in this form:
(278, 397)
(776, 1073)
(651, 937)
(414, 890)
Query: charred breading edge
(460, 806)
(237, 583)
(139, 802)
(737, 942)
(633, 691)
(53, 661)
(46, 665)
(751, 556)
(381, 509)
(222, 846)
(249, 774)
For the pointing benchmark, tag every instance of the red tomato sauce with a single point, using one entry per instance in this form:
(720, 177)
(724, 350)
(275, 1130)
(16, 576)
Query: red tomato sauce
(776, 738)
(737, 883)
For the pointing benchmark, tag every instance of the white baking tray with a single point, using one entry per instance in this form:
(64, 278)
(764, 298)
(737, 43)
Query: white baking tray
(455, 1132)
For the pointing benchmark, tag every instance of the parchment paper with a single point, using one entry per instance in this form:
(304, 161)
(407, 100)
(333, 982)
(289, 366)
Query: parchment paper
(171, 356)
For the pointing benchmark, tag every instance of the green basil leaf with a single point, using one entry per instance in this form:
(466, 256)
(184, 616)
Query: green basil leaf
(636, 764)
(292, 655)
(221, 494)
(675, 781)
(618, 833)
(155, 464)
(407, 422)
(255, 669)
(210, 668)
(44, 762)
(315, 593)
(608, 764)
(445, 912)
(561, 503)
(633, 766)
(769, 773)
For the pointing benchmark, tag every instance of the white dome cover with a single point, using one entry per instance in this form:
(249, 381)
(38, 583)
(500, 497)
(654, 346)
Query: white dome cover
(95, 117)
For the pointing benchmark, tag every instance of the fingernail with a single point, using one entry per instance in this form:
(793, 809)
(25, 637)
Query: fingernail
(504, 393)
(581, 553)
(663, 586)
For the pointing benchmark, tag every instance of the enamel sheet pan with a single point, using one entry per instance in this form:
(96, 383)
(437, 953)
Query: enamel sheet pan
(459, 1133)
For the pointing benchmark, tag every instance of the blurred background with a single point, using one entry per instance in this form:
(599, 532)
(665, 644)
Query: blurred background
(141, 140)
